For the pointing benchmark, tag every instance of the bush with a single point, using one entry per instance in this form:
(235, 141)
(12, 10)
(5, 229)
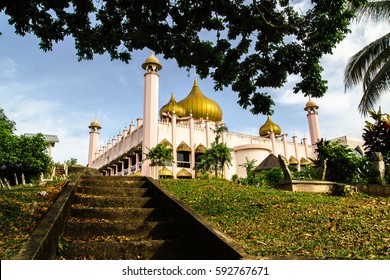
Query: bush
(342, 164)
(307, 173)
(269, 177)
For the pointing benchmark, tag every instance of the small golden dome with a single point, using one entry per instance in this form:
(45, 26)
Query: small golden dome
(201, 106)
(311, 104)
(95, 123)
(173, 106)
(269, 126)
(152, 60)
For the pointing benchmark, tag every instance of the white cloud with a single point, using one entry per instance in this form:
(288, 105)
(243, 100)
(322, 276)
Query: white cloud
(8, 68)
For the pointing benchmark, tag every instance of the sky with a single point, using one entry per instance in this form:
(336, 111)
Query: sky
(54, 93)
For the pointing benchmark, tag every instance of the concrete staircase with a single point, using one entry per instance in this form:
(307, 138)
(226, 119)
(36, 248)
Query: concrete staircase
(121, 218)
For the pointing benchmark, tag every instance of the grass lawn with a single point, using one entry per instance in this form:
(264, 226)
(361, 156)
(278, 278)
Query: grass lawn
(21, 210)
(272, 223)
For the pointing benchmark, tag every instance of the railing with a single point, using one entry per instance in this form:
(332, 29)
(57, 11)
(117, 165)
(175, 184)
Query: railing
(184, 164)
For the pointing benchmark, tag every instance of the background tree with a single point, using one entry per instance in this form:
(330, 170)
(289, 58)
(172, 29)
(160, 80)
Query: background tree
(21, 154)
(71, 161)
(252, 46)
(371, 65)
(6, 126)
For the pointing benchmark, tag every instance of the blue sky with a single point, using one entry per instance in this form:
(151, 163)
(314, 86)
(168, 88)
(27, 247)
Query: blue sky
(53, 93)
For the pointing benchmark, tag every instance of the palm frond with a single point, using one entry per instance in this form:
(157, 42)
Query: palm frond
(357, 65)
(373, 10)
(374, 88)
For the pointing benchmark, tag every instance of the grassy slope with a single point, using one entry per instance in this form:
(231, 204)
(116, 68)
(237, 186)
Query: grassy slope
(279, 224)
(21, 210)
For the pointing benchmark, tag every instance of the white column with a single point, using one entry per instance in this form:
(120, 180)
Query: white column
(174, 164)
(151, 67)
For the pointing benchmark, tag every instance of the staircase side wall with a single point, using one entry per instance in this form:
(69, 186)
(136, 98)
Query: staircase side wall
(205, 240)
(43, 242)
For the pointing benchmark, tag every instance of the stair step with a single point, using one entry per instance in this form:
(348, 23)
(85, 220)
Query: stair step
(119, 191)
(119, 218)
(129, 250)
(118, 214)
(82, 230)
(118, 181)
(136, 202)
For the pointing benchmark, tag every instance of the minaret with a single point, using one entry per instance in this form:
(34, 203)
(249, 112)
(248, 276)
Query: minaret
(151, 112)
(93, 140)
(312, 116)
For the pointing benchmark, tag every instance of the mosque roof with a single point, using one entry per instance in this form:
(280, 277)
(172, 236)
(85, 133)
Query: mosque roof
(173, 106)
(49, 138)
(200, 106)
(269, 126)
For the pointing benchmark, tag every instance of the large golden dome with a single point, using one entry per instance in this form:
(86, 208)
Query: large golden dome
(173, 106)
(201, 106)
(269, 126)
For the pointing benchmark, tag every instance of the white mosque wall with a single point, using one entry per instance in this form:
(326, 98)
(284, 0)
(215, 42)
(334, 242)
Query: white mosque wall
(243, 146)
(251, 152)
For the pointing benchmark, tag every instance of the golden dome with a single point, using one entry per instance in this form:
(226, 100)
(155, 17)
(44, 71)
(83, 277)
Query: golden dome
(173, 106)
(311, 104)
(269, 126)
(201, 106)
(95, 123)
(152, 60)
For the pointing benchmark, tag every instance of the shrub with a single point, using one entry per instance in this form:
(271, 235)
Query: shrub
(269, 177)
(342, 164)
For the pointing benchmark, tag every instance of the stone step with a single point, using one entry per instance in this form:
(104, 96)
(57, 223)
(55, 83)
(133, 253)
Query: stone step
(113, 178)
(112, 183)
(126, 250)
(85, 230)
(118, 214)
(101, 201)
(119, 191)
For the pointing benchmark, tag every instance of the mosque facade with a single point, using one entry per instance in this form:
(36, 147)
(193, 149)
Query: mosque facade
(189, 127)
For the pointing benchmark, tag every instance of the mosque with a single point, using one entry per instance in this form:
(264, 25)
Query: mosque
(188, 127)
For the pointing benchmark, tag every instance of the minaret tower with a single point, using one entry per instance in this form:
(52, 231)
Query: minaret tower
(151, 112)
(312, 117)
(93, 140)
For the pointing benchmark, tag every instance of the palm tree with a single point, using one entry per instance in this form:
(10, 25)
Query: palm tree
(371, 65)
(220, 155)
(249, 166)
(204, 163)
(225, 156)
(159, 156)
(219, 131)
